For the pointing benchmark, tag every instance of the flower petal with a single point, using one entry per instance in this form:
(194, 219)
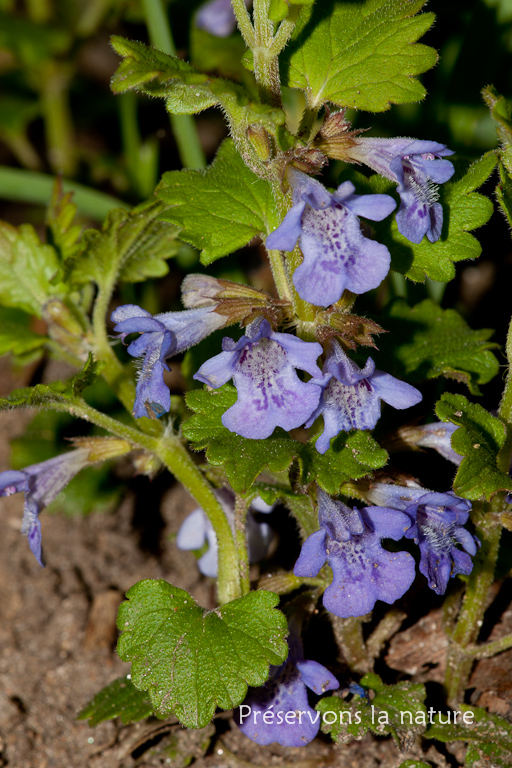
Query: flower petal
(396, 393)
(316, 676)
(288, 232)
(312, 555)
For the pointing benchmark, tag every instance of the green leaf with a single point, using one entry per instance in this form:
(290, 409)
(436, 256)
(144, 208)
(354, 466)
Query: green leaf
(425, 342)
(185, 90)
(479, 440)
(16, 336)
(131, 246)
(208, 56)
(28, 268)
(220, 209)
(387, 713)
(464, 210)
(361, 55)
(56, 392)
(63, 232)
(489, 737)
(191, 660)
(118, 699)
(351, 456)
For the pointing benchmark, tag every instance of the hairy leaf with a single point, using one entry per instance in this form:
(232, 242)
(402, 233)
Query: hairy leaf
(361, 55)
(131, 246)
(56, 392)
(29, 269)
(185, 90)
(191, 660)
(16, 336)
(479, 440)
(221, 209)
(464, 210)
(118, 699)
(489, 737)
(425, 342)
(351, 456)
(386, 713)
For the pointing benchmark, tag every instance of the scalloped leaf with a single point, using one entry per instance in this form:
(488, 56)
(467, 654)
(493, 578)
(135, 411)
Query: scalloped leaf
(425, 342)
(220, 209)
(386, 713)
(489, 737)
(479, 440)
(361, 55)
(118, 699)
(350, 457)
(191, 660)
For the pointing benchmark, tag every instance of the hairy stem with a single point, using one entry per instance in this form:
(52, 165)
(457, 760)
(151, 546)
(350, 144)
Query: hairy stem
(170, 450)
(241, 508)
(244, 22)
(349, 636)
(465, 633)
(266, 64)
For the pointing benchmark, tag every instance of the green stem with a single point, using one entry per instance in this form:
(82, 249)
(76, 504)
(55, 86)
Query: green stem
(282, 36)
(241, 507)
(130, 135)
(244, 21)
(349, 636)
(58, 122)
(505, 409)
(30, 187)
(183, 126)
(170, 450)
(113, 372)
(266, 64)
(486, 650)
(460, 659)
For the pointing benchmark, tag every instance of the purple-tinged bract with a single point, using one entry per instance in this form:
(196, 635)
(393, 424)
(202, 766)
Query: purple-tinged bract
(263, 715)
(41, 483)
(162, 336)
(351, 396)
(196, 531)
(349, 540)
(437, 521)
(417, 167)
(337, 256)
(270, 394)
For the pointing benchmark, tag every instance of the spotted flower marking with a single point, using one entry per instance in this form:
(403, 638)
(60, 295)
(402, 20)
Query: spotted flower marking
(349, 540)
(337, 256)
(351, 396)
(270, 394)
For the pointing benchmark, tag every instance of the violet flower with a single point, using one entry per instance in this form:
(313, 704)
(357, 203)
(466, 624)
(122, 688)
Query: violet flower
(436, 525)
(217, 18)
(418, 167)
(41, 483)
(270, 394)
(280, 711)
(337, 256)
(351, 396)
(349, 541)
(196, 531)
(438, 436)
(162, 336)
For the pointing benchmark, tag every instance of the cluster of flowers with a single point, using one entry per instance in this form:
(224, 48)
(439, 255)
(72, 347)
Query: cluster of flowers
(337, 257)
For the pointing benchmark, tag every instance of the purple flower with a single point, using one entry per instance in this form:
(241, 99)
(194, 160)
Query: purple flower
(270, 394)
(437, 521)
(351, 396)
(438, 436)
(41, 483)
(161, 337)
(217, 18)
(280, 711)
(337, 256)
(196, 531)
(363, 572)
(418, 167)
